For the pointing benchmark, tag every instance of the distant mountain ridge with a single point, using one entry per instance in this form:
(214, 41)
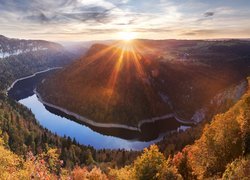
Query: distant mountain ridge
(10, 46)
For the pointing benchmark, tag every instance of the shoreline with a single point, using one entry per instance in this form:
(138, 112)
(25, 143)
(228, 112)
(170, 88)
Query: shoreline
(91, 122)
(111, 125)
(84, 119)
(32, 75)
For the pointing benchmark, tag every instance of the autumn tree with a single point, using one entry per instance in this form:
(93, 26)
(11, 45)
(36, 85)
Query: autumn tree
(150, 165)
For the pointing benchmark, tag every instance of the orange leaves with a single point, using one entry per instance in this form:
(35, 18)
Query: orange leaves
(82, 173)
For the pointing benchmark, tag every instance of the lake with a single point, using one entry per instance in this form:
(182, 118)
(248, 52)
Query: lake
(65, 125)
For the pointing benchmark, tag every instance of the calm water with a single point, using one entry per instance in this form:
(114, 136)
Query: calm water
(63, 124)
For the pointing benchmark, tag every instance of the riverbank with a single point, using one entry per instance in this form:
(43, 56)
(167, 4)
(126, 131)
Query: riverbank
(112, 125)
(96, 124)
(63, 125)
(30, 76)
(84, 119)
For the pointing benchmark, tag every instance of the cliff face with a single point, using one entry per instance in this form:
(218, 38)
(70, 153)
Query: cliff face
(126, 84)
(221, 102)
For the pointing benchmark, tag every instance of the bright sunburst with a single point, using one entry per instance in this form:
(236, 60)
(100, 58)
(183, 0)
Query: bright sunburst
(127, 35)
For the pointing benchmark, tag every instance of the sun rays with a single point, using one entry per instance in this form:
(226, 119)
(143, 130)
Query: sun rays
(130, 62)
(125, 63)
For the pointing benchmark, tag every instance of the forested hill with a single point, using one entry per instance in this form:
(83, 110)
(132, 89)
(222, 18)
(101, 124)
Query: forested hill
(127, 83)
(222, 151)
(19, 58)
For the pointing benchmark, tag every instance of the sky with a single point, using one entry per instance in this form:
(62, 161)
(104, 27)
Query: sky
(85, 20)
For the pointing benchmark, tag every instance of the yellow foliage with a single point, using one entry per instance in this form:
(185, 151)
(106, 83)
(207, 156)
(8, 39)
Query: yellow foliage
(126, 173)
(9, 164)
(222, 141)
(79, 173)
(150, 165)
(238, 169)
(83, 174)
(13, 167)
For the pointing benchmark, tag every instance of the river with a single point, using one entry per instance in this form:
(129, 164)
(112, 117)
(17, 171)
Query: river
(64, 125)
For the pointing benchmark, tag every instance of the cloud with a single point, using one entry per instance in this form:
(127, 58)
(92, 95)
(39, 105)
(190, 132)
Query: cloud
(104, 18)
(188, 34)
(38, 17)
(95, 31)
(45, 11)
(95, 13)
(200, 32)
(154, 30)
(208, 14)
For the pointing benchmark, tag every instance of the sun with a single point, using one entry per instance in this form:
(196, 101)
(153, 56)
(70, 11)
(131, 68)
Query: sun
(127, 35)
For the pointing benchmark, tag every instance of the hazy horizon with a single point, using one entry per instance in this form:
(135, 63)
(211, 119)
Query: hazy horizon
(107, 40)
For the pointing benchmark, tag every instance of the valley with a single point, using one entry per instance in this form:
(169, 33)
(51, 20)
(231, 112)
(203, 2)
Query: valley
(188, 94)
(124, 90)
(23, 92)
(125, 85)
